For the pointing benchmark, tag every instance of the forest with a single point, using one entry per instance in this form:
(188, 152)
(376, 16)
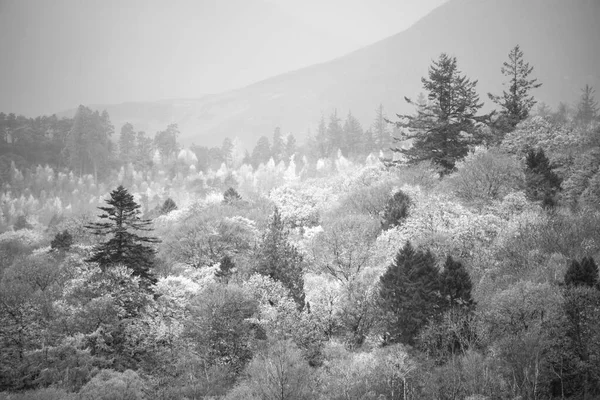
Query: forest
(443, 254)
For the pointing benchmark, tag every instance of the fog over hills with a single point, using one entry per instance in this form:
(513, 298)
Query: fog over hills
(559, 38)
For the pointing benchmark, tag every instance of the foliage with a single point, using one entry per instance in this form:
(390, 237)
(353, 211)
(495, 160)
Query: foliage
(542, 182)
(584, 273)
(112, 385)
(168, 206)
(62, 241)
(396, 210)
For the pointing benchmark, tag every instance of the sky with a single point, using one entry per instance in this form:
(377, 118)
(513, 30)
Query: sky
(55, 55)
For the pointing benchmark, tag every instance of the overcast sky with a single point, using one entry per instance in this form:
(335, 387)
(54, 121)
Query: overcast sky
(57, 54)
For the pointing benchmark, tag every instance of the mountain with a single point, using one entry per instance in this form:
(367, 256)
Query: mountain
(559, 38)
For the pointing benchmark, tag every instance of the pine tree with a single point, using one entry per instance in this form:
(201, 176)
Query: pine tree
(227, 151)
(410, 294)
(166, 142)
(127, 144)
(262, 152)
(582, 274)
(455, 285)
(62, 241)
(396, 210)
(278, 149)
(125, 246)
(353, 142)
(542, 182)
(290, 147)
(381, 130)
(443, 128)
(168, 206)
(335, 134)
(517, 102)
(280, 260)
(231, 195)
(587, 109)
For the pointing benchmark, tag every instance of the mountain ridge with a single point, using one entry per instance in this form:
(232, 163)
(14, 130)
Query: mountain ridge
(556, 36)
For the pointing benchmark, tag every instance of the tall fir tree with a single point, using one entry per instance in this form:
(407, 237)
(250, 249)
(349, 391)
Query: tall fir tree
(381, 130)
(587, 109)
(335, 134)
(166, 142)
(124, 246)
(353, 142)
(410, 294)
(443, 129)
(517, 102)
(290, 147)
(278, 259)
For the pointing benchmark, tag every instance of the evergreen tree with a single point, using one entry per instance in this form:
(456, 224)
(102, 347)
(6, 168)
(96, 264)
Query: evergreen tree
(353, 142)
(227, 151)
(455, 284)
(278, 149)
(262, 152)
(443, 128)
(166, 142)
(517, 102)
(226, 269)
(396, 210)
(168, 206)
(587, 109)
(127, 144)
(335, 134)
(125, 246)
(280, 260)
(381, 131)
(542, 182)
(290, 147)
(62, 241)
(582, 274)
(143, 154)
(410, 294)
(231, 195)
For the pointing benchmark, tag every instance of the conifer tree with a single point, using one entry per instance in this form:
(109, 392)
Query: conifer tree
(231, 195)
(410, 294)
(517, 102)
(127, 143)
(353, 141)
(124, 246)
(381, 131)
(278, 148)
(280, 260)
(443, 128)
(542, 182)
(290, 146)
(587, 109)
(262, 152)
(582, 274)
(455, 284)
(62, 241)
(168, 206)
(396, 210)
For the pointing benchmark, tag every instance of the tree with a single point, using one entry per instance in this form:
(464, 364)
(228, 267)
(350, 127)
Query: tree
(517, 102)
(62, 241)
(168, 206)
(396, 210)
(143, 154)
(227, 151)
(125, 246)
(166, 142)
(443, 128)
(261, 152)
(542, 182)
(231, 195)
(409, 291)
(582, 274)
(226, 268)
(335, 134)
(127, 143)
(278, 149)
(280, 260)
(290, 146)
(455, 285)
(353, 136)
(587, 109)
(381, 131)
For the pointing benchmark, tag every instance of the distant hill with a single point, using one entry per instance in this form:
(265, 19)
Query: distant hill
(560, 38)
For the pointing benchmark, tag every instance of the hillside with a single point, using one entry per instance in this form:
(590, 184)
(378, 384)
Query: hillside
(559, 39)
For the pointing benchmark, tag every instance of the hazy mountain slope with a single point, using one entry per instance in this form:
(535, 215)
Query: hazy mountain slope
(559, 38)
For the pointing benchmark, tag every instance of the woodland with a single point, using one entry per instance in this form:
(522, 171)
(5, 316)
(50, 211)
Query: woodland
(444, 254)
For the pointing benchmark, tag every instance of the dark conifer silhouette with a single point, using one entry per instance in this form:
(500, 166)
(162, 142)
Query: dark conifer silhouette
(542, 182)
(124, 247)
(62, 241)
(584, 273)
(410, 294)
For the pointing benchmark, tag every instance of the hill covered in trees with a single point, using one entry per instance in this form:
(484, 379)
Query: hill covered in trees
(447, 253)
(559, 38)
